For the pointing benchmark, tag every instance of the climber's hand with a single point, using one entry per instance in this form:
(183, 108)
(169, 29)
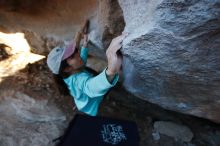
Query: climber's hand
(77, 39)
(114, 59)
(116, 43)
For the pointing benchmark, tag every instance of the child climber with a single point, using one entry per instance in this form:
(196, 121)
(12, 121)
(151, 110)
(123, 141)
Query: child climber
(69, 63)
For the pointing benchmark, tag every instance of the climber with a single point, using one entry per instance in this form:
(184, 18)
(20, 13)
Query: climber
(68, 64)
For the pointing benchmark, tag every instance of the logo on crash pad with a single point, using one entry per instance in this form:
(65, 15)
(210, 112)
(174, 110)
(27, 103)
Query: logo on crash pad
(113, 134)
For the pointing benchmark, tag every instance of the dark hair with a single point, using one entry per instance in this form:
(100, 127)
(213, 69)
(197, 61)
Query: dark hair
(62, 87)
(64, 65)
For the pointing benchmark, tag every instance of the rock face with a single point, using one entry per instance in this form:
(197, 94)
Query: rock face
(171, 57)
(172, 54)
(25, 121)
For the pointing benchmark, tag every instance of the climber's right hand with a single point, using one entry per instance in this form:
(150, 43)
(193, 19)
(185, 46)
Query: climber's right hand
(114, 59)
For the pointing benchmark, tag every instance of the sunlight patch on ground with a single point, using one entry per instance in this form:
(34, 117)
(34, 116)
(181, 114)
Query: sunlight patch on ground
(19, 51)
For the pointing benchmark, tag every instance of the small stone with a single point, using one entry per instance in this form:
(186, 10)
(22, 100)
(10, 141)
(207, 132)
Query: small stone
(156, 135)
(114, 103)
(178, 132)
(47, 86)
(190, 144)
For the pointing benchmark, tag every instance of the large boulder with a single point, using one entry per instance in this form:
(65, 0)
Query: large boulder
(171, 57)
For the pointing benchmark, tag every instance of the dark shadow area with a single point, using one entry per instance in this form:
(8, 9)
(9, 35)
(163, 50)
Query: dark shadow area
(4, 52)
(24, 6)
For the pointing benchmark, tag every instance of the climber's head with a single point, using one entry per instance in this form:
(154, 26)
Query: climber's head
(64, 59)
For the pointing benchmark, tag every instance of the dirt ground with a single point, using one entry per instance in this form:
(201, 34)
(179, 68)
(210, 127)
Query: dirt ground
(36, 80)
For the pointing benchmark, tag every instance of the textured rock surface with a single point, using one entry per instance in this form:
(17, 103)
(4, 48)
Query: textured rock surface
(178, 132)
(26, 121)
(172, 54)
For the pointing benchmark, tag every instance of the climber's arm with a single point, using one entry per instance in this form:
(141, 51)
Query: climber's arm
(113, 57)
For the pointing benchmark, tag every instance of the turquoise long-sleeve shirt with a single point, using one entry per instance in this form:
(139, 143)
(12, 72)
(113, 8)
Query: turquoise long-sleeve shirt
(88, 90)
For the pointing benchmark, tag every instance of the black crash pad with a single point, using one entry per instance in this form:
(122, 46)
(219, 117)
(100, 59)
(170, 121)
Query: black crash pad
(100, 131)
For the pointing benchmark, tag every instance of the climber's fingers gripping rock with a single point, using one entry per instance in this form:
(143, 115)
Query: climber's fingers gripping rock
(114, 59)
(116, 43)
